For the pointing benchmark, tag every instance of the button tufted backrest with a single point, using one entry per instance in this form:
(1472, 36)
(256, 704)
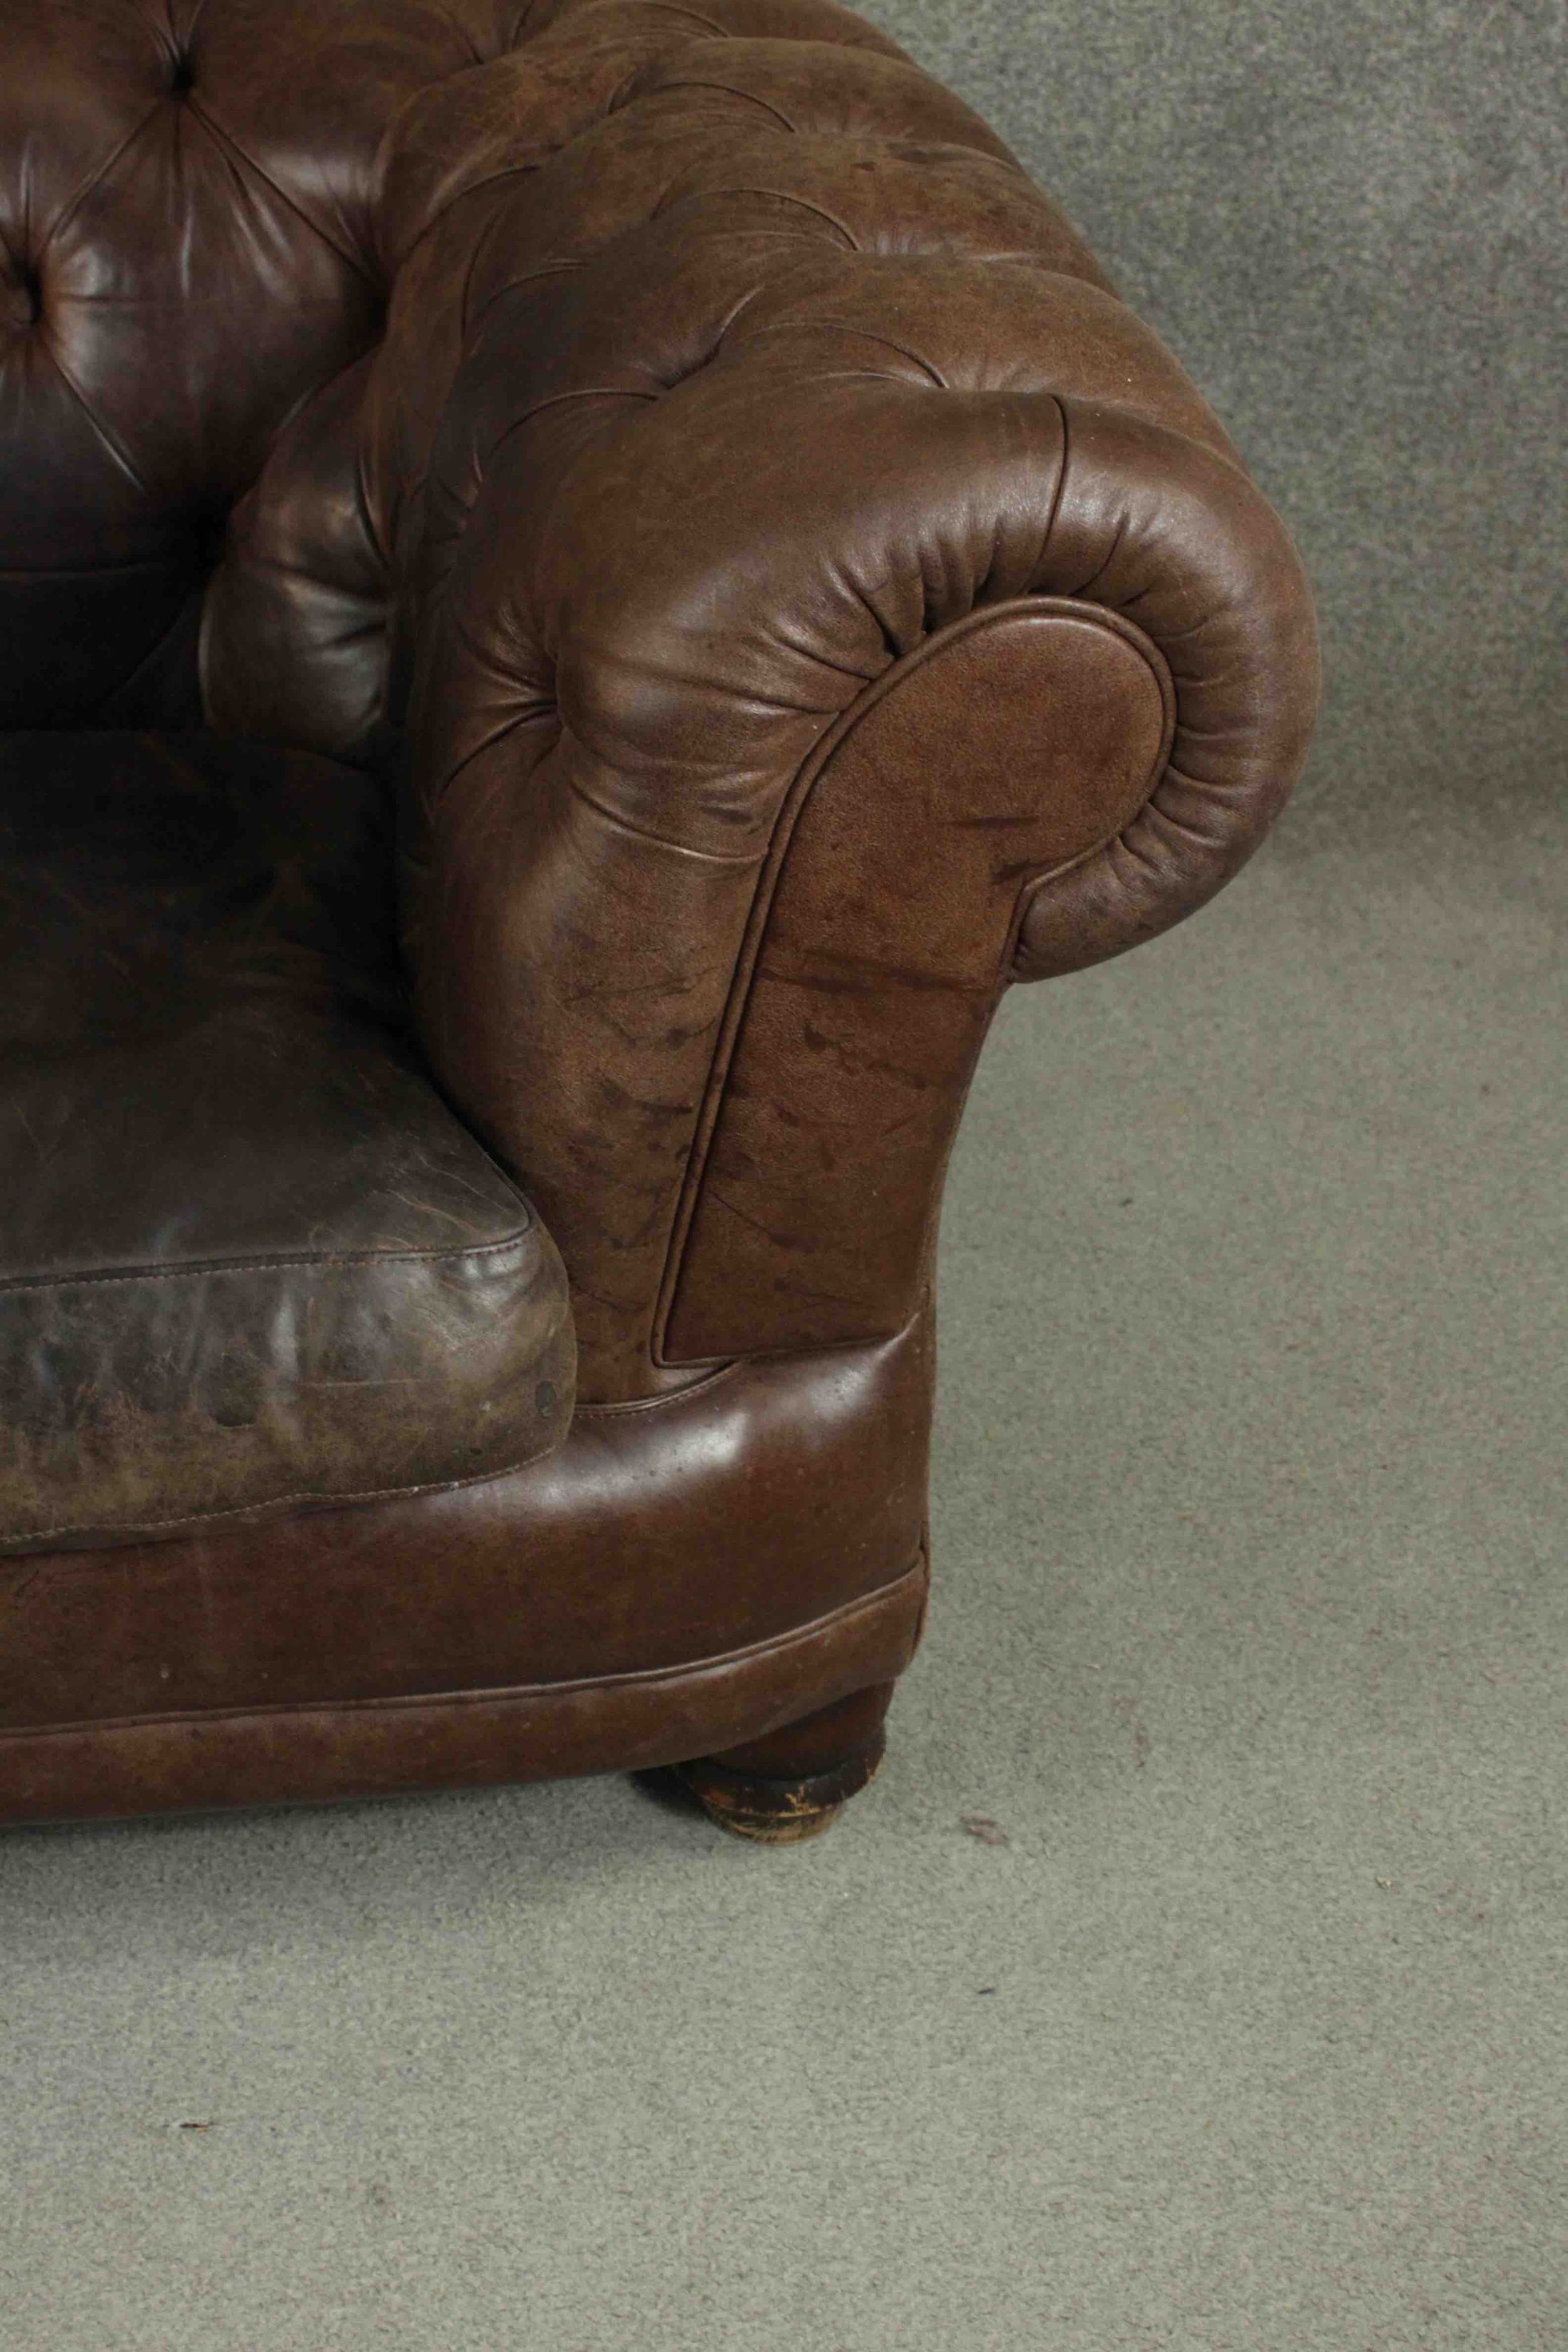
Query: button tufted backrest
(246, 247)
(189, 247)
(528, 208)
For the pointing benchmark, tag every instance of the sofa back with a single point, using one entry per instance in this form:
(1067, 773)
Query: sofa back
(246, 247)
(188, 251)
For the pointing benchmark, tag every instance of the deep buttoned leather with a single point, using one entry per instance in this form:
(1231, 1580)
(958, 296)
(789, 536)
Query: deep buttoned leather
(675, 453)
(623, 396)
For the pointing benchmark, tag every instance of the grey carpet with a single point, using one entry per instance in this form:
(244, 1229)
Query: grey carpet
(1347, 218)
(1250, 1624)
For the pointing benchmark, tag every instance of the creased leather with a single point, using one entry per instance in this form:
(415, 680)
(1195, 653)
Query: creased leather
(676, 442)
(710, 360)
(661, 604)
(769, 1494)
(861, 1008)
(249, 1259)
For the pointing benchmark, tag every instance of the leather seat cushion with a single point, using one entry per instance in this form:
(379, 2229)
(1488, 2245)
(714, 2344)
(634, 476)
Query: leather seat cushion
(250, 1261)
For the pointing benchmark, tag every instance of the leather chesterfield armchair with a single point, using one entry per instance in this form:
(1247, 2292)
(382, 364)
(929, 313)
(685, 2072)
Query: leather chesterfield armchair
(582, 584)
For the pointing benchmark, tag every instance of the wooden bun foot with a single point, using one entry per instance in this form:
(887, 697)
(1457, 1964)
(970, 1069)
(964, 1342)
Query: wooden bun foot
(778, 1813)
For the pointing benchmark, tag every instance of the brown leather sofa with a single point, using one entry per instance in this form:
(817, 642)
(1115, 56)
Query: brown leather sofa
(582, 584)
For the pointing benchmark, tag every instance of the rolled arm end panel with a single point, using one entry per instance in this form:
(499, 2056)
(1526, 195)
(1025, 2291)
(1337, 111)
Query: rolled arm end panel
(882, 937)
(1040, 785)
(1174, 538)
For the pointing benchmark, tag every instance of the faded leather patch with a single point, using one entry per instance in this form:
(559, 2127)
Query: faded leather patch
(249, 1259)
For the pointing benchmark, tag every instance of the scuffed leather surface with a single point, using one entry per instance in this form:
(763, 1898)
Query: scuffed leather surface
(664, 600)
(248, 1260)
(684, 439)
(701, 1524)
(1007, 747)
(606, 1723)
(616, 391)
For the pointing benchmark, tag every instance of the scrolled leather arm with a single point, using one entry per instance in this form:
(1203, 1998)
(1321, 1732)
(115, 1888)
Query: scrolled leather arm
(811, 639)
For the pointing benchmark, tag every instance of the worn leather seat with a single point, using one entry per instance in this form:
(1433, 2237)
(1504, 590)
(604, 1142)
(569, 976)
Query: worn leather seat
(584, 586)
(249, 1258)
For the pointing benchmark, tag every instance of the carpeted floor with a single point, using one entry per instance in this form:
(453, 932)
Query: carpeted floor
(1251, 1618)
(1346, 218)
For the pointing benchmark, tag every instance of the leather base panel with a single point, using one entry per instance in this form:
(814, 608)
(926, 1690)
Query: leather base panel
(703, 1525)
(306, 1755)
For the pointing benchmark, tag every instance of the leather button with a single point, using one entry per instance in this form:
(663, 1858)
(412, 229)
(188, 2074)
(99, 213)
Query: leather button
(25, 299)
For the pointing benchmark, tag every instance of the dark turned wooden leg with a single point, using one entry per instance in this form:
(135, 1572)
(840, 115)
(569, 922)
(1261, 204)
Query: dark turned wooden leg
(794, 1783)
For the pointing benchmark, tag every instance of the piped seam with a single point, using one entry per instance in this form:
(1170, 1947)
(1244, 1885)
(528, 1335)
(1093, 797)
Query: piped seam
(407, 1701)
(15, 1285)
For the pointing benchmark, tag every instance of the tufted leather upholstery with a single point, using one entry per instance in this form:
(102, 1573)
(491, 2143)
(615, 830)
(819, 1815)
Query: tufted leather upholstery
(197, 234)
(676, 452)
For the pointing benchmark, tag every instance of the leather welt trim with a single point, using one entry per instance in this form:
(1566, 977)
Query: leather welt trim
(963, 850)
(201, 1268)
(769, 873)
(843, 1619)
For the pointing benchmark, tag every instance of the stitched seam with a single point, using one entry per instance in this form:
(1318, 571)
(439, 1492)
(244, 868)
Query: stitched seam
(27, 1282)
(615, 1407)
(405, 1701)
(1061, 479)
(266, 1504)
